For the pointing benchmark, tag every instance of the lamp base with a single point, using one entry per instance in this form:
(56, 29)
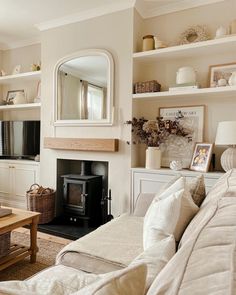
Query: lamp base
(228, 159)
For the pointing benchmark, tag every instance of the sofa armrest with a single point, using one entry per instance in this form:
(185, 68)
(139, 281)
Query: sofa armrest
(143, 202)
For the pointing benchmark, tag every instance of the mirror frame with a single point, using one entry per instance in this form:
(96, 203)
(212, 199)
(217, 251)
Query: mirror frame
(110, 89)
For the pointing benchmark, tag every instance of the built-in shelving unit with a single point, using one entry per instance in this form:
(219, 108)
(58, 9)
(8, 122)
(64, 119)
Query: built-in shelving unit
(20, 106)
(210, 47)
(22, 76)
(192, 93)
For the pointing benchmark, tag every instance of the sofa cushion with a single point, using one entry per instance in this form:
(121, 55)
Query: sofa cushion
(205, 264)
(115, 245)
(129, 281)
(156, 257)
(170, 215)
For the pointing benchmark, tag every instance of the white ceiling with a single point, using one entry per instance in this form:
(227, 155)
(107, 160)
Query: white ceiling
(19, 17)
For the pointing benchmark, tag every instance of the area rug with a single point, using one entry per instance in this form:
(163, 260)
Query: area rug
(24, 269)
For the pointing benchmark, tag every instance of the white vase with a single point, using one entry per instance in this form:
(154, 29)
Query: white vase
(186, 75)
(153, 158)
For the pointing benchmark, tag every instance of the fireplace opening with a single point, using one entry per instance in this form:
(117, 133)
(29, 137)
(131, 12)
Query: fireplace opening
(81, 199)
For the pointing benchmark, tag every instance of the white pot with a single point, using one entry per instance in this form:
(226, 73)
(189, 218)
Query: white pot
(19, 98)
(232, 79)
(153, 158)
(186, 75)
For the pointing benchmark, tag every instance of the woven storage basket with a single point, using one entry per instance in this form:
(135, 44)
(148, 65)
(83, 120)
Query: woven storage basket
(148, 86)
(5, 240)
(43, 201)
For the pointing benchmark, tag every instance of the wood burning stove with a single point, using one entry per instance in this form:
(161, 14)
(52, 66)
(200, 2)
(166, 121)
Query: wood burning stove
(82, 195)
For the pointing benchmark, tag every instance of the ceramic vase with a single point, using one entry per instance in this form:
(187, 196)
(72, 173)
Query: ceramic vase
(186, 75)
(153, 158)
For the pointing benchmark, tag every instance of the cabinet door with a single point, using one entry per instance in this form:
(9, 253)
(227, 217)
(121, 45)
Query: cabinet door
(144, 182)
(5, 186)
(23, 177)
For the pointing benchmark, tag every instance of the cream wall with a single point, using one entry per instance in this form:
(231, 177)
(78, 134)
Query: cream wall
(114, 33)
(168, 28)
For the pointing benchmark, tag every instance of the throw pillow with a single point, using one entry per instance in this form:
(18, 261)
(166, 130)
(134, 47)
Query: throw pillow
(197, 189)
(170, 215)
(156, 257)
(128, 281)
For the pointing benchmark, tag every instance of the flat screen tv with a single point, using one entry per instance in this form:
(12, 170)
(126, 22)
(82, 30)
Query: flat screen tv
(19, 139)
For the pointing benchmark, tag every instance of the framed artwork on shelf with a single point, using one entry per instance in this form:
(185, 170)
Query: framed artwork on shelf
(201, 157)
(219, 75)
(11, 94)
(178, 147)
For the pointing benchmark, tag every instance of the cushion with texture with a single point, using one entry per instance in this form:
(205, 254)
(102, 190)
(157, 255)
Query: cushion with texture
(156, 257)
(170, 215)
(197, 189)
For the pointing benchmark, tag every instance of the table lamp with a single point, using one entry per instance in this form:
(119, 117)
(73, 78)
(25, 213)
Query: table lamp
(226, 135)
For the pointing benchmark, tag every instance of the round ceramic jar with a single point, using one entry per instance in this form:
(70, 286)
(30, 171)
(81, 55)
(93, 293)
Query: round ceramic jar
(148, 42)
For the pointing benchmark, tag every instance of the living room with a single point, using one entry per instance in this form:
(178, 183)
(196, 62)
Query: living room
(181, 45)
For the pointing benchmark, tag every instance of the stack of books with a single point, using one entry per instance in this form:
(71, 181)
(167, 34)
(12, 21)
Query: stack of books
(185, 86)
(5, 212)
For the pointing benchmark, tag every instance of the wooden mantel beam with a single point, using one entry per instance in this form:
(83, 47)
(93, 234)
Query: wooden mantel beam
(82, 144)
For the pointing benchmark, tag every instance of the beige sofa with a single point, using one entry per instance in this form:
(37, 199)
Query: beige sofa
(205, 262)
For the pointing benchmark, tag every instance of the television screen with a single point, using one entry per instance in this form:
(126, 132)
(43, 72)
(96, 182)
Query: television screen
(19, 139)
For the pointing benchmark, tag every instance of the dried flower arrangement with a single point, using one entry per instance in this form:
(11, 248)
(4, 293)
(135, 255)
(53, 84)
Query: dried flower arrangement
(154, 132)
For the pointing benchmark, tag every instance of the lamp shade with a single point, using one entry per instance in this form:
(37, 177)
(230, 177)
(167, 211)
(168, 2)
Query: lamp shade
(226, 133)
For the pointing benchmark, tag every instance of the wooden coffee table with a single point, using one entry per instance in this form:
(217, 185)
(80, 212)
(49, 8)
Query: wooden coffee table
(17, 219)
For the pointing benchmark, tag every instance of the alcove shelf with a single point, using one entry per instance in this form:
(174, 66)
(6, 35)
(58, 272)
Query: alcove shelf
(192, 93)
(20, 106)
(210, 47)
(36, 75)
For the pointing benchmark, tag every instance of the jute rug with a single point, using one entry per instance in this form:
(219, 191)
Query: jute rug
(24, 269)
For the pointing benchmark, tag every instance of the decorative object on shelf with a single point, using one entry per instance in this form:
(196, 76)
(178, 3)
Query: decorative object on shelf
(36, 67)
(186, 75)
(159, 43)
(152, 133)
(148, 86)
(184, 86)
(219, 72)
(153, 158)
(37, 158)
(194, 34)
(222, 82)
(37, 99)
(148, 42)
(226, 135)
(16, 70)
(176, 165)
(201, 157)
(15, 97)
(181, 148)
(232, 79)
(2, 73)
(221, 32)
(232, 27)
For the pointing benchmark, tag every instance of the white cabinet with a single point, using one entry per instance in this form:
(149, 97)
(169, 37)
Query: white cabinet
(15, 179)
(151, 181)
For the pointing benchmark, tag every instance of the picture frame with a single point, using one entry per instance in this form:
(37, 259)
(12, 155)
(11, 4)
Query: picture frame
(11, 94)
(222, 73)
(201, 157)
(178, 147)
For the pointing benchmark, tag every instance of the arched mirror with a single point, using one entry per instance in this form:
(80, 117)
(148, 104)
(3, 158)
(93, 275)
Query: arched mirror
(84, 89)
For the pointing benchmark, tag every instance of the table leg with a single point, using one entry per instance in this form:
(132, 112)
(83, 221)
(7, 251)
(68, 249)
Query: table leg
(33, 238)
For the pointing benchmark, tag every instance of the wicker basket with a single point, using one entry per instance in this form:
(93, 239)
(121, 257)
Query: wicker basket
(43, 201)
(5, 240)
(148, 86)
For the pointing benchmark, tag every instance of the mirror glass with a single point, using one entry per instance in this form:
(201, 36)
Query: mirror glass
(84, 89)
